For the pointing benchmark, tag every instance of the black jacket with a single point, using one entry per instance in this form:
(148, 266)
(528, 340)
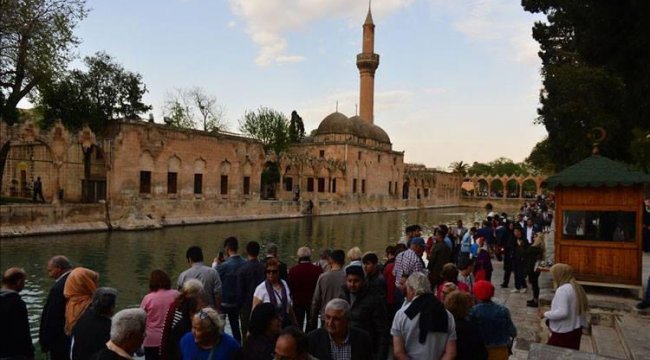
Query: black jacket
(15, 339)
(90, 334)
(368, 313)
(319, 344)
(469, 343)
(51, 335)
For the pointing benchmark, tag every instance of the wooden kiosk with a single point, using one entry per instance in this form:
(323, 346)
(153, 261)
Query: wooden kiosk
(598, 221)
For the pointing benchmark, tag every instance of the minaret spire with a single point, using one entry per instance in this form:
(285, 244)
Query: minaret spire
(367, 63)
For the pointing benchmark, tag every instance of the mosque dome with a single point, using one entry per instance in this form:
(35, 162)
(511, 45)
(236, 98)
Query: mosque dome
(337, 123)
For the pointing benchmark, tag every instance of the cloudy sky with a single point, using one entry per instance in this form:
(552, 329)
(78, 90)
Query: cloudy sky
(458, 79)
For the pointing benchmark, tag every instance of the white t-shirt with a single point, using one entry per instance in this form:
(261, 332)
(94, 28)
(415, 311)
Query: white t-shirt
(409, 330)
(262, 294)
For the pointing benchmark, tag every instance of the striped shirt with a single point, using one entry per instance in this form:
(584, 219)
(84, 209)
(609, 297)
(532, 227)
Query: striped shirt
(406, 263)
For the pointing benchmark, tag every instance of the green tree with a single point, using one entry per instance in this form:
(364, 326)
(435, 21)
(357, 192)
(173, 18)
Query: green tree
(296, 128)
(36, 43)
(177, 116)
(106, 91)
(459, 167)
(269, 126)
(539, 161)
(596, 72)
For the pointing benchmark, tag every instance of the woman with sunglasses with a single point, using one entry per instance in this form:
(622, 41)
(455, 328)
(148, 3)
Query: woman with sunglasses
(275, 291)
(207, 339)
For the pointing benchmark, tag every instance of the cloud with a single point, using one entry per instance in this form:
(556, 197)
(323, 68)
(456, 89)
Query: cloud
(268, 21)
(503, 28)
(232, 24)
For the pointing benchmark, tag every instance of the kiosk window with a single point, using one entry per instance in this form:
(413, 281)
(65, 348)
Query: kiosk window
(599, 225)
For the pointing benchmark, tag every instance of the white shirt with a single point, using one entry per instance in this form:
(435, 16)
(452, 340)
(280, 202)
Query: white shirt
(409, 330)
(262, 294)
(563, 316)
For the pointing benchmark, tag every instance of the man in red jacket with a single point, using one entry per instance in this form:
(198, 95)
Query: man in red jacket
(302, 283)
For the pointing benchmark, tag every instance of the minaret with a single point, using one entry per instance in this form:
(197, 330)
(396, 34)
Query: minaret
(367, 63)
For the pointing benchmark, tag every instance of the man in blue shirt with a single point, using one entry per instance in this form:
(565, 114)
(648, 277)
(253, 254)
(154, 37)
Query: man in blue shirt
(228, 271)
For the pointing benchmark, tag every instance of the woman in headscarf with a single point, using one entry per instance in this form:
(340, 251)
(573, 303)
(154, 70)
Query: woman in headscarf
(568, 309)
(78, 291)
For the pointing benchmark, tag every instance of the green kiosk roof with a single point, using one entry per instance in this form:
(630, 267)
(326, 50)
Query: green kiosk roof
(597, 171)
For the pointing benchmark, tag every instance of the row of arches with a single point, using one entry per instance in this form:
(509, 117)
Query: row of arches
(520, 187)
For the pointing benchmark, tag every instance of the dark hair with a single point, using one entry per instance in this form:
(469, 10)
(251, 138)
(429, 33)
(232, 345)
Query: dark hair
(473, 229)
(261, 317)
(400, 248)
(449, 273)
(253, 248)
(465, 263)
(231, 243)
(391, 250)
(272, 262)
(444, 228)
(103, 302)
(159, 279)
(194, 253)
(338, 256)
(370, 258)
(61, 262)
(298, 336)
(417, 227)
(408, 229)
(518, 227)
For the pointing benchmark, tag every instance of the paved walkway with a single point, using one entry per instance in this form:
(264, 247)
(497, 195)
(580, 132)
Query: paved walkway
(617, 330)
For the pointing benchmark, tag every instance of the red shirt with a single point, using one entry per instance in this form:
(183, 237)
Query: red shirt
(302, 282)
(390, 282)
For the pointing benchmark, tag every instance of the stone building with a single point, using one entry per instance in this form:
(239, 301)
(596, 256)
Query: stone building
(149, 174)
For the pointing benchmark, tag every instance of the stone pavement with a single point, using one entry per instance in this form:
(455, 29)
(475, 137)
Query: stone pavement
(617, 330)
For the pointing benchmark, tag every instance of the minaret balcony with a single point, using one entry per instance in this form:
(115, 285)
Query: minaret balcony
(367, 61)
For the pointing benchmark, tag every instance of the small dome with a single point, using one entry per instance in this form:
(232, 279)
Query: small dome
(337, 123)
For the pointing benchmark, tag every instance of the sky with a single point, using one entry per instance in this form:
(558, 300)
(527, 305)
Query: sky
(458, 80)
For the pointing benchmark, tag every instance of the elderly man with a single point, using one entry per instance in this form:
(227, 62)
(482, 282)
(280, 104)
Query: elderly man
(128, 330)
(51, 335)
(423, 328)
(15, 340)
(292, 345)
(207, 339)
(302, 283)
(329, 286)
(407, 262)
(208, 276)
(338, 340)
(367, 310)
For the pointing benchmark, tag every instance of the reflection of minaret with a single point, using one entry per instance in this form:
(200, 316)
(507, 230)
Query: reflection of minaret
(367, 63)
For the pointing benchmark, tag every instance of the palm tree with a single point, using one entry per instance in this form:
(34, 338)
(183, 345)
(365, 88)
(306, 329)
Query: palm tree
(459, 167)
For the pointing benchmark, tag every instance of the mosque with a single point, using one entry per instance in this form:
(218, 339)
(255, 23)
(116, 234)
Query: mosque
(138, 174)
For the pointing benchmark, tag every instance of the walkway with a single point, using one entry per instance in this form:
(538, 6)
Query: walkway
(617, 330)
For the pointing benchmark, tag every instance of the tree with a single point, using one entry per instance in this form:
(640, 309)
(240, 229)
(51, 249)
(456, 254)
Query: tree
(36, 43)
(269, 126)
(459, 167)
(106, 91)
(194, 109)
(596, 72)
(296, 128)
(539, 161)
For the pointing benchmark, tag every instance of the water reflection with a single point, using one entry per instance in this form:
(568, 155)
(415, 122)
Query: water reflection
(125, 259)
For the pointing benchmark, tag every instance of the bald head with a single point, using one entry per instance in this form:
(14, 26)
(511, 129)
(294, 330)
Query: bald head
(57, 266)
(14, 279)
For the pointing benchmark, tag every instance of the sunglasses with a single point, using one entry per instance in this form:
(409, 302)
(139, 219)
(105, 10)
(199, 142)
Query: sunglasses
(204, 315)
(272, 271)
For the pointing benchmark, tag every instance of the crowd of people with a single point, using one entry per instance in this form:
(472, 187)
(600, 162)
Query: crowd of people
(339, 306)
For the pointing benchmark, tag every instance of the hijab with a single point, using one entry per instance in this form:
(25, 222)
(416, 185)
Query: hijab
(563, 274)
(79, 289)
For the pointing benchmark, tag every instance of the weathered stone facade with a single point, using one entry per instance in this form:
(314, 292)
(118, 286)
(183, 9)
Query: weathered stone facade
(151, 175)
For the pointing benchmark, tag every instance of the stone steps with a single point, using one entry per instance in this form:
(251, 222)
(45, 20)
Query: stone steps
(606, 342)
